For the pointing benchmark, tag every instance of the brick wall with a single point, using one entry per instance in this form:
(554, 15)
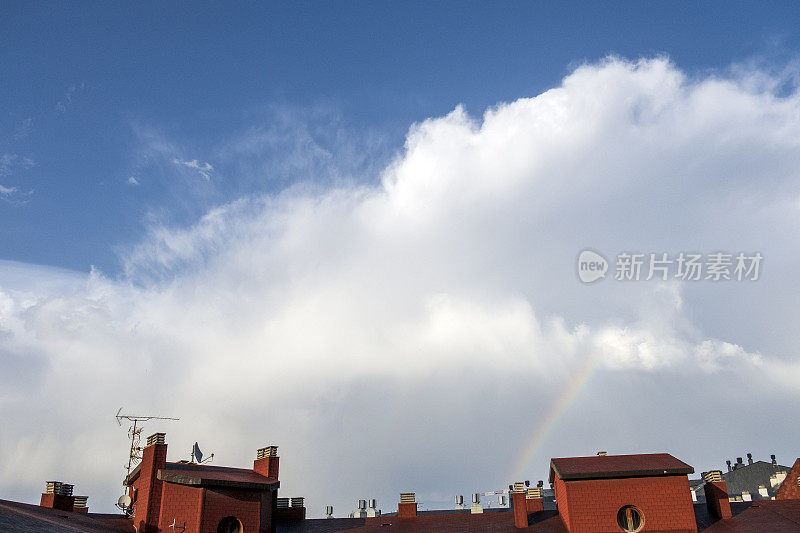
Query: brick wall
(221, 503)
(561, 501)
(183, 505)
(592, 505)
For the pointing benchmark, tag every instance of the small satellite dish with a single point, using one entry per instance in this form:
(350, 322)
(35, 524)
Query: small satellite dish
(196, 453)
(124, 501)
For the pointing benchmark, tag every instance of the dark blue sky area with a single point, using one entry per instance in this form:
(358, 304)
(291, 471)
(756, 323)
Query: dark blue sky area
(84, 86)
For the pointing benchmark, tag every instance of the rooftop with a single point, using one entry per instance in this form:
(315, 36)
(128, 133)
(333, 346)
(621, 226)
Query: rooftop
(18, 517)
(614, 466)
(216, 476)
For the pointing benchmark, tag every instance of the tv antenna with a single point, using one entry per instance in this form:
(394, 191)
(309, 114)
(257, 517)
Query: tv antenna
(135, 434)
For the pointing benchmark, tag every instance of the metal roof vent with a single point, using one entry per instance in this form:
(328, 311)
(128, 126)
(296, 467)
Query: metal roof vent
(712, 476)
(81, 502)
(269, 451)
(373, 511)
(329, 511)
(533, 493)
(362, 504)
(156, 438)
(519, 486)
(283, 503)
(298, 502)
(602, 453)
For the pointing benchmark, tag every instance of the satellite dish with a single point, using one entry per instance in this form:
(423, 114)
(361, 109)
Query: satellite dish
(124, 501)
(196, 453)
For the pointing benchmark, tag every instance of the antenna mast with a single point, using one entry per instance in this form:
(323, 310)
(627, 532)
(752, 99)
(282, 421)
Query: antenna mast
(134, 433)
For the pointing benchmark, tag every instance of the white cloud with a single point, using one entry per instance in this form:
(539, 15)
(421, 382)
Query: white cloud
(385, 336)
(133, 181)
(204, 169)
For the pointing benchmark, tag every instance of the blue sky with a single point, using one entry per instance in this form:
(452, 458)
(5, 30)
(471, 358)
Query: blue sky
(366, 217)
(79, 81)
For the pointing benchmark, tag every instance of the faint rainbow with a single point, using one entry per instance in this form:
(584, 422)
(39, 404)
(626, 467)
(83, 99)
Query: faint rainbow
(562, 403)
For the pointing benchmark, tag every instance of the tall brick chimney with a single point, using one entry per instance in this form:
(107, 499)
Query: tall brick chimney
(266, 462)
(154, 458)
(407, 508)
(520, 505)
(716, 494)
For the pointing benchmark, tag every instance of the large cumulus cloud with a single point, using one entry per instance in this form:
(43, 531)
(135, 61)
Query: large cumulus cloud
(413, 335)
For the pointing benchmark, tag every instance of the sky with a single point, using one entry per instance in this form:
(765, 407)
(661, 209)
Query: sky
(351, 230)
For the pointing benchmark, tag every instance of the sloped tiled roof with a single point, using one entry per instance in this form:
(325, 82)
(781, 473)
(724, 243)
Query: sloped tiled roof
(764, 515)
(217, 476)
(613, 466)
(749, 477)
(16, 517)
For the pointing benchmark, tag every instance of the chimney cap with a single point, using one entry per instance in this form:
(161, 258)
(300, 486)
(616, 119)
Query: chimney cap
(156, 438)
(81, 502)
(602, 453)
(297, 502)
(267, 451)
(58, 487)
(712, 476)
(408, 497)
(533, 493)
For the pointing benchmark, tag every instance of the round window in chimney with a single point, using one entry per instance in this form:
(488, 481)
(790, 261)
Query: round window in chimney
(630, 519)
(229, 524)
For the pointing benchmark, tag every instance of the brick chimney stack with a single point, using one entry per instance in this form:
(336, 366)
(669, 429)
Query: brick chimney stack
(58, 495)
(520, 505)
(266, 462)
(154, 458)
(408, 505)
(717, 494)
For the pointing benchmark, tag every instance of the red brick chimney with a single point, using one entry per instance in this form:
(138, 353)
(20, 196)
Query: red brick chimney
(266, 462)
(533, 500)
(58, 495)
(407, 508)
(717, 494)
(148, 505)
(520, 505)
